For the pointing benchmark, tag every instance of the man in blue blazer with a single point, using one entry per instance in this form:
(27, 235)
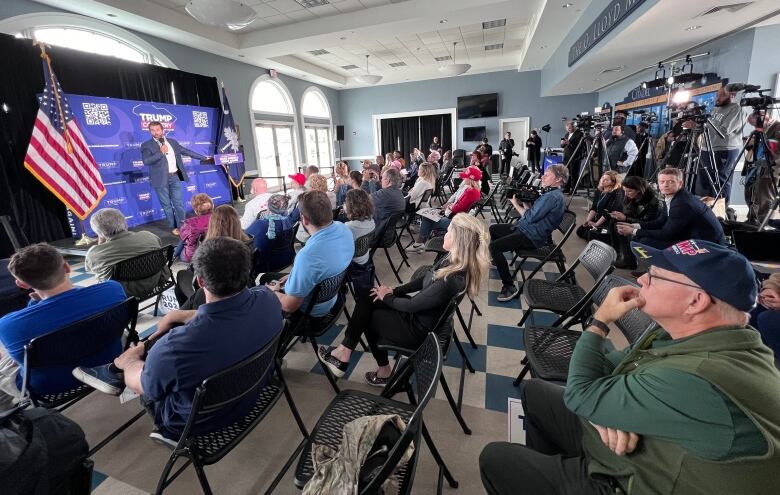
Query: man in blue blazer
(683, 216)
(166, 172)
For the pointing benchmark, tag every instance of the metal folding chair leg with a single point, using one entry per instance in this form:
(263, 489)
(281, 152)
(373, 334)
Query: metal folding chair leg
(392, 266)
(454, 406)
(325, 369)
(443, 470)
(466, 328)
(523, 372)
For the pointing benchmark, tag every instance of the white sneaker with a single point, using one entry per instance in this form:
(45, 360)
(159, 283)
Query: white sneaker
(417, 247)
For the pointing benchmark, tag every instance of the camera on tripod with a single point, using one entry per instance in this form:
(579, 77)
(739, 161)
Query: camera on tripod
(695, 113)
(648, 117)
(587, 122)
(760, 102)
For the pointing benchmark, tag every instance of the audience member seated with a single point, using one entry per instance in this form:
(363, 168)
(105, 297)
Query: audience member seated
(189, 346)
(533, 230)
(115, 244)
(694, 407)
(268, 232)
(297, 187)
(393, 318)
(425, 181)
(480, 159)
(256, 205)
(340, 175)
(399, 157)
(53, 304)
(371, 181)
(460, 202)
(194, 228)
(447, 163)
(359, 211)
(355, 182)
(389, 200)
(224, 222)
(640, 204)
(684, 217)
(609, 197)
(318, 182)
(380, 162)
(328, 252)
(765, 317)
(308, 172)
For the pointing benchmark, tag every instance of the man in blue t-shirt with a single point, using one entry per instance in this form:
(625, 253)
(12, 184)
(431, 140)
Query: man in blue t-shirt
(327, 253)
(532, 231)
(54, 303)
(191, 345)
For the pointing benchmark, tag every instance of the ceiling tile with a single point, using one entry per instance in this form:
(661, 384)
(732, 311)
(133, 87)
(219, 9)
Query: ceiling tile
(264, 10)
(373, 3)
(301, 15)
(285, 6)
(349, 6)
(470, 28)
(324, 10)
(278, 20)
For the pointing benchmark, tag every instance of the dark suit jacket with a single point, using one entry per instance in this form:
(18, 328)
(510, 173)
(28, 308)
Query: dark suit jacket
(688, 218)
(387, 202)
(574, 140)
(158, 164)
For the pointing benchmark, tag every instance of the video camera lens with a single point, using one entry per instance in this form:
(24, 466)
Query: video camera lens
(762, 101)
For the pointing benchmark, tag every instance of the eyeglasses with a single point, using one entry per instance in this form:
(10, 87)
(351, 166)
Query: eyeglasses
(651, 276)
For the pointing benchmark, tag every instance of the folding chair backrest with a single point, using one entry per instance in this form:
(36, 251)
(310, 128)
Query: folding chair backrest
(387, 236)
(363, 244)
(597, 258)
(427, 364)
(325, 290)
(568, 222)
(283, 242)
(225, 388)
(142, 266)
(14, 233)
(609, 283)
(425, 197)
(634, 325)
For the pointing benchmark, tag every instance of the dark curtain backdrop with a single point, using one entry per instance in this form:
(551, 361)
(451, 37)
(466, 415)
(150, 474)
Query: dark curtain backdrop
(439, 126)
(400, 134)
(40, 215)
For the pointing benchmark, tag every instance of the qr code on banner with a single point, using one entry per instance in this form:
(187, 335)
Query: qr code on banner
(96, 114)
(201, 119)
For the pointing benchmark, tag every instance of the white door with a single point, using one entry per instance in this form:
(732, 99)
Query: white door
(520, 129)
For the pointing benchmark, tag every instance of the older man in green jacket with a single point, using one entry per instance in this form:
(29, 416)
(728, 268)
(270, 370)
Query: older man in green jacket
(694, 407)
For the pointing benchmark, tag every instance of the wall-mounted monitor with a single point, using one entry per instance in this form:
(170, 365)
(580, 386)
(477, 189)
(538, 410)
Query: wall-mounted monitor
(474, 134)
(478, 106)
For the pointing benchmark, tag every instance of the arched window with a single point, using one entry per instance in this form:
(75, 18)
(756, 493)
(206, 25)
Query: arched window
(274, 121)
(84, 34)
(317, 126)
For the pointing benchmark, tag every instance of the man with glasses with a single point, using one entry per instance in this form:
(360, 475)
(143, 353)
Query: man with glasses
(693, 407)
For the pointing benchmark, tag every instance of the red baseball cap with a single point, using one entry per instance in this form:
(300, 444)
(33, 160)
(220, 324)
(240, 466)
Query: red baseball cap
(471, 172)
(299, 178)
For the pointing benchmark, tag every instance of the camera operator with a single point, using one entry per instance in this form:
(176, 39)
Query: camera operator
(620, 120)
(532, 231)
(642, 142)
(569, 143)
(727, 118)
(621, 151)
(758, 181)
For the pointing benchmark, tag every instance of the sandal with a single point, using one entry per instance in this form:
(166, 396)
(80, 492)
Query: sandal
(374, 380)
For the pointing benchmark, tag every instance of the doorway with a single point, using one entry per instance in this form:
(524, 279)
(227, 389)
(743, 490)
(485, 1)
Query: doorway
(520, 128)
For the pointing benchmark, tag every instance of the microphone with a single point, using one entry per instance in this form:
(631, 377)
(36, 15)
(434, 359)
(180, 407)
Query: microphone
(734, 87)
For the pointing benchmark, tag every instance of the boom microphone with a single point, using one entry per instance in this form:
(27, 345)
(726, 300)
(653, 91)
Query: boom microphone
(735, 87)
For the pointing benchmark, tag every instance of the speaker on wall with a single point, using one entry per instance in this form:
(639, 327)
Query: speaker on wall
(339, 133)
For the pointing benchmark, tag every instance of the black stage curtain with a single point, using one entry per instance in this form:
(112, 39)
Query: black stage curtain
(436, 125)
(400, 134)
(40, 215)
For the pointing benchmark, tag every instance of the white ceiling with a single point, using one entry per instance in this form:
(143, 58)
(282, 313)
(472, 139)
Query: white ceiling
(416, 32)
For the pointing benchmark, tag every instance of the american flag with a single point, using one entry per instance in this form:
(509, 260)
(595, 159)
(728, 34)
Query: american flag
(58, 155)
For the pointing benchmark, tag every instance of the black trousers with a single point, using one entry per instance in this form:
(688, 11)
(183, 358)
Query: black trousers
(552, 461)
(534, 163)
(505, 238)
(506, 164)
(382, 325)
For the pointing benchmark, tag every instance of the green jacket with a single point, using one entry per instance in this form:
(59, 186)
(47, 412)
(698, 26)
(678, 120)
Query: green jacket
(707, 409)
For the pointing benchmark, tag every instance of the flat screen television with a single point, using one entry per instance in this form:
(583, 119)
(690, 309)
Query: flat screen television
(474, 134)
(478, 106)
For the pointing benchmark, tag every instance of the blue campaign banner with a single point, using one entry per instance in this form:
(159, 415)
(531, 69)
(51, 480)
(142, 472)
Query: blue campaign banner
(114, 130)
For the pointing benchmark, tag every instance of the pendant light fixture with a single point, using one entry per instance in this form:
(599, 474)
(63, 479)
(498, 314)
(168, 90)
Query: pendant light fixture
(368, 78)
(454, 69)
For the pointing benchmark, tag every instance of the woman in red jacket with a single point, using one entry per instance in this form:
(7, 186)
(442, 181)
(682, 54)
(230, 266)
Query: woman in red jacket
(460, 202)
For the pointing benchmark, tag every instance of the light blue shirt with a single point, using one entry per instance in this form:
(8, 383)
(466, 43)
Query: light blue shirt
(326, 254)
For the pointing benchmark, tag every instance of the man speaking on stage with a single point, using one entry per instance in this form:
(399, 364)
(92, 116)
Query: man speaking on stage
(166, 172)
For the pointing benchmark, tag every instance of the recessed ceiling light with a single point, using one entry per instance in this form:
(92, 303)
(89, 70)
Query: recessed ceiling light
(566, 5)
(111, 15)
(692, 28)
(443, 21)
(542, 47)
(343, 38)
(319, 52)
(597, 79)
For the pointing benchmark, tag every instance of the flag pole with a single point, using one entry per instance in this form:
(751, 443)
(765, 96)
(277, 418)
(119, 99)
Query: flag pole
(84, 240)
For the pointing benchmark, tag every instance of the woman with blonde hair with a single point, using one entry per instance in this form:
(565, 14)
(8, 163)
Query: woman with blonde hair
(318, 182)
(426, 179)
(193, 228)
(609, 198)
(394, 318)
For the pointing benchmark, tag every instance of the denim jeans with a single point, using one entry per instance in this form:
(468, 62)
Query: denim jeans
(427, 225)
(724, 165)
(170, 200)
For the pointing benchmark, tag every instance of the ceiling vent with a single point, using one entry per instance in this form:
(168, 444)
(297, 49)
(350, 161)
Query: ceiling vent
(317, 53)
(442, 59)
(734, 7)
(497, 46)
(349, 67)
(494, 24)
(307, 4)
(398, 64)
(612, 70)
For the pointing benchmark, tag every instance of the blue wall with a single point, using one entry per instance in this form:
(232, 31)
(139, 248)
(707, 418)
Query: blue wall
(518, 96)
(765, 56)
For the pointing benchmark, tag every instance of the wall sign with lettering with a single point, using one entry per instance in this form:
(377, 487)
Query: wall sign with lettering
(614, 14)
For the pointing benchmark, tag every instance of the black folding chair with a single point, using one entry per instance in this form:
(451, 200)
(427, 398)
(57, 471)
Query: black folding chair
(418, 377)
(15, 234)
(549, 349)
(145, 266)
(550, 253)
(387, 237)
(76, 345)
(305, 326)
(440, 193)
(217, 394)
(412, 215)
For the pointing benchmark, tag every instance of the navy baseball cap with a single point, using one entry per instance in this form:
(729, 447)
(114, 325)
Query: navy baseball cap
(721, 272)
